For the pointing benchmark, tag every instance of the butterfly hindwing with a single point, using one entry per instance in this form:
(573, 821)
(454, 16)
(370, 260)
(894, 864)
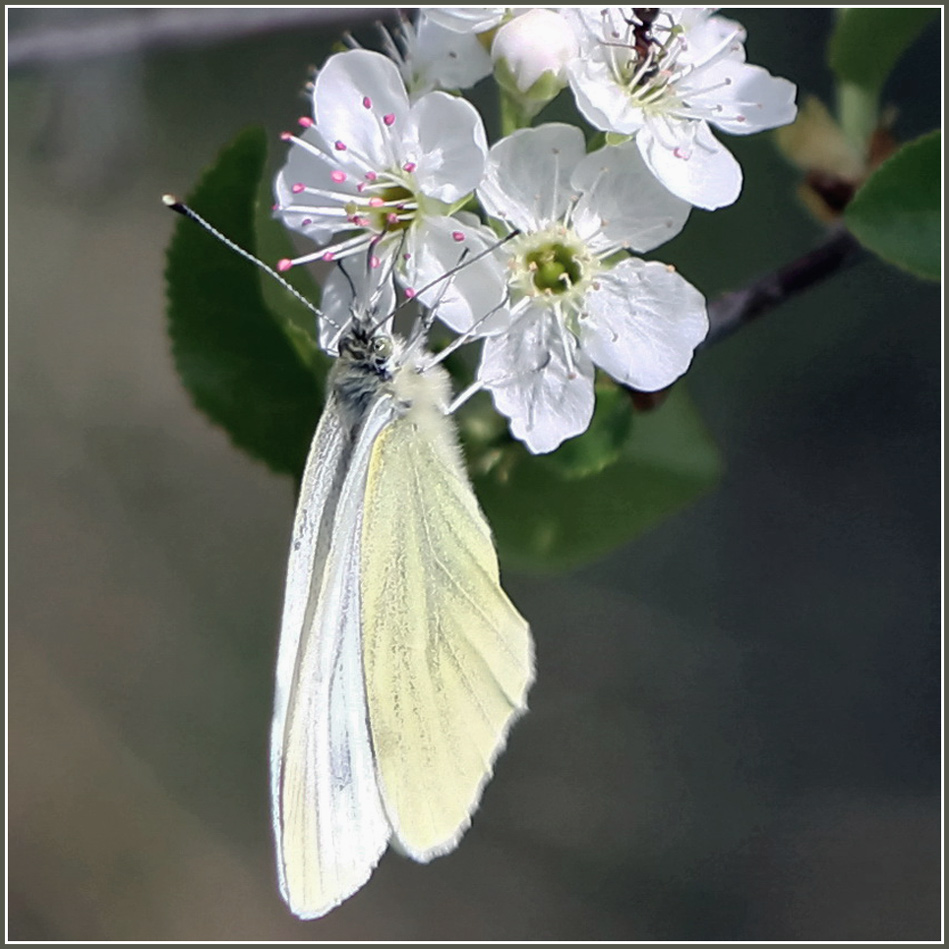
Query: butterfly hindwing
(448, 659)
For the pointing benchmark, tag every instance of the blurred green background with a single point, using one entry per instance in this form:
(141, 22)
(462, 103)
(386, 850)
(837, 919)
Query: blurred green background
(735, 731)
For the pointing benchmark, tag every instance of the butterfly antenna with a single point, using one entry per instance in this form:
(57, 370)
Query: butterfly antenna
(170, 201)
(429, 317)
(352, 286)
(360, 311)
(467, 263)
(429, 312)
(467, 335)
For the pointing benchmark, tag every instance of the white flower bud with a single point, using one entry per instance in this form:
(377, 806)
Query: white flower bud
(537, 44)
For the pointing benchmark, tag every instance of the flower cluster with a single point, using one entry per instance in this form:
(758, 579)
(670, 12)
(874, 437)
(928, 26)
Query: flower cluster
(395, 171)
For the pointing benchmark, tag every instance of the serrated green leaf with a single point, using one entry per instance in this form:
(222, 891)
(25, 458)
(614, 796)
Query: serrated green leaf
(867, 42)
(230, 351)
(543, 521)
(897, 212)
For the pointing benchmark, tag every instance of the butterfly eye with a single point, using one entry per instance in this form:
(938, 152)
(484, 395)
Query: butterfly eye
(382, 346)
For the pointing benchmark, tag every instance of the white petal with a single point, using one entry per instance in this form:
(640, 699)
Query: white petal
(528, 376)
(469, 299)
(643, 324)
(708, 36)
(702, 172)
(587, 25)
(359, 99)
(602, 101)
(444, 137)
(753, 101)
(466, 19)
(320, 216)
(527, 179)
(445, 59)
(623, 203)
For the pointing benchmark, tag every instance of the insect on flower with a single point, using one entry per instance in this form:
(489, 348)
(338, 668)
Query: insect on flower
(402, 664)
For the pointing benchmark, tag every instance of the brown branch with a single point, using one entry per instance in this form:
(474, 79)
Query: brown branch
(731, 311)
(734, 310)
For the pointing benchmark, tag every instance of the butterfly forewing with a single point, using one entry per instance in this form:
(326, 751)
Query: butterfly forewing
(329, 824)
(447, 658)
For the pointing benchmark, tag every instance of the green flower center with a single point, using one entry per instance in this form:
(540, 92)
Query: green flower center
(554, 264)
(389, 209)
(555, 268)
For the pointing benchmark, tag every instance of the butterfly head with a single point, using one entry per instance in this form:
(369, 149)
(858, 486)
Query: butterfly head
(371, 352)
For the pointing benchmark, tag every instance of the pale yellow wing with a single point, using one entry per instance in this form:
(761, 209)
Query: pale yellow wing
(447, 658)
(329, 824)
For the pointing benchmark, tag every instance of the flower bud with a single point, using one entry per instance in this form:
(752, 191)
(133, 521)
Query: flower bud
(530, 54)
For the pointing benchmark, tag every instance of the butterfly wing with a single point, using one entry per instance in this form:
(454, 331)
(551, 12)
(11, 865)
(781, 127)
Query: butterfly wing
(329, 824)
(448, 659)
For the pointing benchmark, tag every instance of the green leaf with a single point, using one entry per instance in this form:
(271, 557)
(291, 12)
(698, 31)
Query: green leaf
(544, 521)
(231, 352)
(867, 42)
(897, 212)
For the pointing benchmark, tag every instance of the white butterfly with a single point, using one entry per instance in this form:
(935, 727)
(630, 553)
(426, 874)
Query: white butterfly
(402, 663)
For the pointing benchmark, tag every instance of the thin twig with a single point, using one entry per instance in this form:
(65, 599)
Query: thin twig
(736, 309)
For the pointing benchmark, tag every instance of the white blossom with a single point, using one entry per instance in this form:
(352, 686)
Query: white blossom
(571, 305)
(376, 176)
(665, 78)
(431, 56)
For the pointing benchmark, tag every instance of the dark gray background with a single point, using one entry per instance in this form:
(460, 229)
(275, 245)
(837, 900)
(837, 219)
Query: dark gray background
(735, 732)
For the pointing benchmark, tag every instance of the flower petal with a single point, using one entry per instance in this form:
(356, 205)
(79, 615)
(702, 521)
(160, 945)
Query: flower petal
(708, 37)
(359, 100)
(444, 137)
(527, 178)
(469, 299)
(317, 216)
(752, 101)
(531, 381)
(622, 203)
(441, 58)
(691, 163)
(642, 324)
(602, 101)
(466, 19)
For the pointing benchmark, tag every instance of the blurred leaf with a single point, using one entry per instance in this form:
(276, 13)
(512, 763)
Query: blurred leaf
(230, 351)
(867, 42)
(814, 141)
(897, 213)
(543, 521)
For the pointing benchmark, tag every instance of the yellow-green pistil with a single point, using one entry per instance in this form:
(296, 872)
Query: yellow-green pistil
(388, 209)
(555, 268)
